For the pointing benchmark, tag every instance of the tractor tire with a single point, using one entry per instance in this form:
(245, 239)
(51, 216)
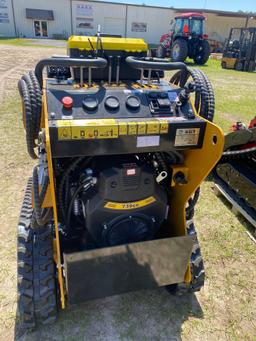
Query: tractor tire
(203, 54)
(36, 272)
(161, 51)
(179, 50)
(196, 268)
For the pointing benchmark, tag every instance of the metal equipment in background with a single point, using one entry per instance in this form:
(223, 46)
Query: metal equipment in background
(121, 154)
(235, 174)
(186, 38)
(240, 50)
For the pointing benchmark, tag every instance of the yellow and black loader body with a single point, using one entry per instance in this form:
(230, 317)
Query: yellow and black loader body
(121, 155)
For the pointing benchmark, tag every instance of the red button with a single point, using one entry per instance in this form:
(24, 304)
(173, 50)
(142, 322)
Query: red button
(67, 102)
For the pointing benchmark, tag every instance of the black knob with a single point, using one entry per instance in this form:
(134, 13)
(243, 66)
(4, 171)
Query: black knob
(90, 103)
(133, 102)
(112, 103)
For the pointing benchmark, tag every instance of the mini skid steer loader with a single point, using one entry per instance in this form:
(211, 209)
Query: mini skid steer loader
(121, 155)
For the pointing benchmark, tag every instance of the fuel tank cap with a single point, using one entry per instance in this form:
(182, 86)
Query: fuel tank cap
(133, 102)
(90, 103)
(112, 103)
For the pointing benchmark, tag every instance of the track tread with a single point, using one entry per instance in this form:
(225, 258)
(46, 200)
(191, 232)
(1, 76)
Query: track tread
(36, 273)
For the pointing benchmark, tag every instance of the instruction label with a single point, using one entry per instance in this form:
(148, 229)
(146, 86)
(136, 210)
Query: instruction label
(186, 137)
(110, 129)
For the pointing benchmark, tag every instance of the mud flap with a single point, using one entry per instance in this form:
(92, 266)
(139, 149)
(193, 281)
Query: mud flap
(115, 270)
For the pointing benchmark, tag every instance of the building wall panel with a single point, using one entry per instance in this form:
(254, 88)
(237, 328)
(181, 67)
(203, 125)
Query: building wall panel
(7, 28)
(61, 25)
(87, 15)
(156, 22)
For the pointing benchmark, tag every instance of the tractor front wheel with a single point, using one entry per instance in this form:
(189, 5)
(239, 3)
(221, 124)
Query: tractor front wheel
(203, 53)
(179, 50)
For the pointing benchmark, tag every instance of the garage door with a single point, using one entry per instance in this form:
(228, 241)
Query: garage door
(114, 26)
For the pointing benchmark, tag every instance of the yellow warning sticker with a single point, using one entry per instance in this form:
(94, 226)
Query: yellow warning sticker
(132, 128)
(94, 132)
(129, 205)
(164, 126)
(64, 133)
(122, 128)
(108, 128)
(141, 128)
(153, 127)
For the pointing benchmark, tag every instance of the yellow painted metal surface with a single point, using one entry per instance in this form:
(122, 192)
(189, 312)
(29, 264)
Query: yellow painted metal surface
(230, 62)
(199, 163)
(108, 43)
(108, 128)
(129, 205)
(56, 243)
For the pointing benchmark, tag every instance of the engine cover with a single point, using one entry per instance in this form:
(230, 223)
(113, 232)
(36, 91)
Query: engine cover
(127, 205)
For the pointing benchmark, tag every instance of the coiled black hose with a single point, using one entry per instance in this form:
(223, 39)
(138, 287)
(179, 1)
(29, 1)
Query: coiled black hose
(27, 117)
(204, 95)
(31, 95)
(204, 104)
(84, 186)
(65, 182)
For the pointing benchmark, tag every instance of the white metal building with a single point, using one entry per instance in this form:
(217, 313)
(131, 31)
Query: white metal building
(62, 18)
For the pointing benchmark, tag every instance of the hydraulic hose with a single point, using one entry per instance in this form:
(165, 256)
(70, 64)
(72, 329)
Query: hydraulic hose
(27, 117)
(204, 95)
(31, 95)
(65, 182)
(85, 186)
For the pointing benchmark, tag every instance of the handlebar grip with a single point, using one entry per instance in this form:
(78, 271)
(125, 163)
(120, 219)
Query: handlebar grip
(154, 64)
(98, 63)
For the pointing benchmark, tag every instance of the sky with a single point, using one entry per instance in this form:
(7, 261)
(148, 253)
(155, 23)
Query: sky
(224, 5)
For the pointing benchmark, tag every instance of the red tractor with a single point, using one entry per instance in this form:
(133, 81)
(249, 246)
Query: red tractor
(186, 38)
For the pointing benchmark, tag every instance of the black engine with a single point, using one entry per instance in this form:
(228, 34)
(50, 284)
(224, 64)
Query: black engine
(119, 200)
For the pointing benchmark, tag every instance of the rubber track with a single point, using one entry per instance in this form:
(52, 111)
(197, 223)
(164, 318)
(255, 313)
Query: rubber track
(36, 275)
(196, 267)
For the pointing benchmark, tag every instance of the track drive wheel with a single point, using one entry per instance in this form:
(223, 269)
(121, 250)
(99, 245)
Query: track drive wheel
(196, 267)
(202, 55)
(179, 50)
(36, 271)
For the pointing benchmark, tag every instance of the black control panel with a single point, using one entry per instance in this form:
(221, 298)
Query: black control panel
(111, 102)
(120, 119)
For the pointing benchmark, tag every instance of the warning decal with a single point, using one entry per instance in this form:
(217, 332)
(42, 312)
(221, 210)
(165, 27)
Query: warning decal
(187, 137)
(108, 128)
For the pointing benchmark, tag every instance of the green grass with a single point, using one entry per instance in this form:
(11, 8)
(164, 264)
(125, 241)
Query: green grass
(234, 92)
(24, 42)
